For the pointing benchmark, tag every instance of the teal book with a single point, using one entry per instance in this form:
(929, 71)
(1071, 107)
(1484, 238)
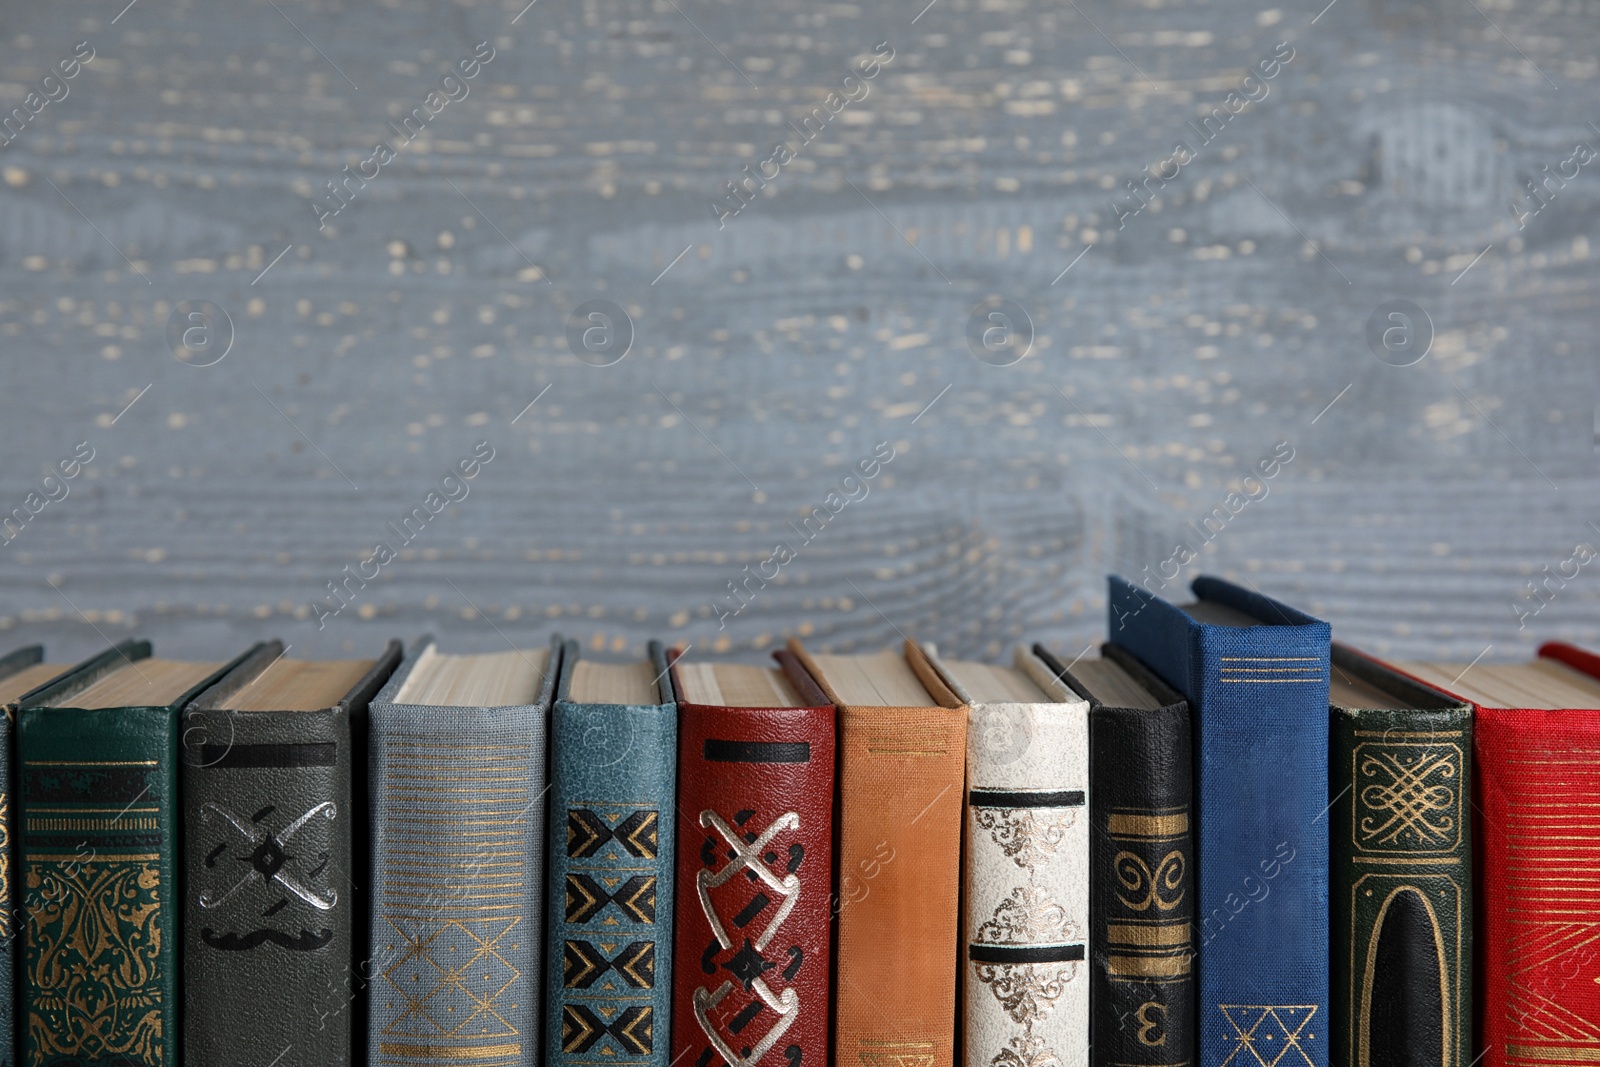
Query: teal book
(614, 748)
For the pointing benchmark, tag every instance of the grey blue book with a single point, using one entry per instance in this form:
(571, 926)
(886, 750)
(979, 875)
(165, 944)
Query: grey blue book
(458, 775)
(614, 755)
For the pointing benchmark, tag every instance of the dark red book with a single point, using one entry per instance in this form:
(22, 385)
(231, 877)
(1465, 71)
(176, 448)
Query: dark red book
(755, 858)
(1536, 778)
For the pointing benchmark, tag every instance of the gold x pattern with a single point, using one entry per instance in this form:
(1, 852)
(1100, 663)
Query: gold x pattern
(421, 945)
(1263, 1034)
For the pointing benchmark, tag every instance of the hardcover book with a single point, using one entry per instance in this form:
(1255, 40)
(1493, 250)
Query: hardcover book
(21, 672)
(614, 757)
(1400, 775)
(755, 865)
(270, 860)
(1026, 879)
(1536, 786)
(902, 757)
(1255, 673)
(458, 747)
(1141, 891)
(97, 789)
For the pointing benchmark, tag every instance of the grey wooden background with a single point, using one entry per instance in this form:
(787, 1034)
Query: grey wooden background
(770, 354)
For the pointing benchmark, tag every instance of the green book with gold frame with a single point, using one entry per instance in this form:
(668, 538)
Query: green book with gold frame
(97, 808)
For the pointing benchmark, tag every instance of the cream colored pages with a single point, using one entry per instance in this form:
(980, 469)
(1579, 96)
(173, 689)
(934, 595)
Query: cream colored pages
(490, 680)
(300, 685)
(613, 683)
(143, 683)
(882, 680)
(1348, 691)
(1541, 684)
(987, 684)
(737, 685)
(1113, 686)
(29, 678)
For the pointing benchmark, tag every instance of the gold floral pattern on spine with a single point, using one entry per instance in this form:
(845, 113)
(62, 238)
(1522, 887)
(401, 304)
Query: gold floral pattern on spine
(93, 960)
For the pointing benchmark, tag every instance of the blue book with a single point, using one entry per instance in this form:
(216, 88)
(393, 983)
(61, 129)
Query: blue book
(614, 781)
(1256, 674)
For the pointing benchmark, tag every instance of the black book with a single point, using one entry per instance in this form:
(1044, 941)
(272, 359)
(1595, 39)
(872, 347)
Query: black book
(274, 864)
(1141, 862)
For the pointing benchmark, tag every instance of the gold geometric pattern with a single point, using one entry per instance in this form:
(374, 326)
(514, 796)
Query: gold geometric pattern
(1407, 796)
(1265, 1034)
(449, 974)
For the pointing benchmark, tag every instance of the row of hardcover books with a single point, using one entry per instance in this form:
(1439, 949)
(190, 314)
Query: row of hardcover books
(1221, 840)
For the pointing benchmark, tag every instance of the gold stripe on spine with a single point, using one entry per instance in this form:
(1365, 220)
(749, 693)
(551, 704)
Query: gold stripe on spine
(1551, 1054)
(1149, 936)
(446, 1052)
(1122, 824)
(1149, 966)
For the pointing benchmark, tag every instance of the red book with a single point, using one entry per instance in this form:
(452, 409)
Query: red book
(755, 859)
(1536, 766)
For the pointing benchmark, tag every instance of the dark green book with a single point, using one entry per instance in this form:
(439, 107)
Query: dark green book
(1400, 823)
(97, 792)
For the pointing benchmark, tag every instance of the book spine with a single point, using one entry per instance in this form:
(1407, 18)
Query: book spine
(1027, 886)
(1536, 776)
(755, 878)
(1262, 799)
(1142, 887)
(457, 801)
(269, 887)
(900, 803)
(1402, 885)
(608, 986)
(9, 899)
(97, 793)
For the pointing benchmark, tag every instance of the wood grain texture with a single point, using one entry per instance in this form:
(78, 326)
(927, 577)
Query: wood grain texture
(771, 354)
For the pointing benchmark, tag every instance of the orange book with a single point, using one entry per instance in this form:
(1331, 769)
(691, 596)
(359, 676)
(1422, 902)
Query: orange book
(902, 760)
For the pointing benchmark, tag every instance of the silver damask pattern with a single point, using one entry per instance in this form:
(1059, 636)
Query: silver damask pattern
(1027, 991)
(1029, 916)
(1028, 835)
